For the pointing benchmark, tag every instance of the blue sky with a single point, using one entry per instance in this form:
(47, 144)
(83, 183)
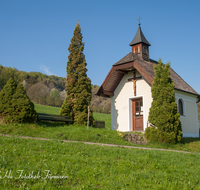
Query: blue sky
(35, 34)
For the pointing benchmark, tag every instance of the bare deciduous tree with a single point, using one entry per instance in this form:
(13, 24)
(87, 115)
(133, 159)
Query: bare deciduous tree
(38, 90)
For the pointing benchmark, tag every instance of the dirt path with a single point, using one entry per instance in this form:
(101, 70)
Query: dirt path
(100, 144)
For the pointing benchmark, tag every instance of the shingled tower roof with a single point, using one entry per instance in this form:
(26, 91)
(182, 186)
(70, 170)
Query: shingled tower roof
(139, 38)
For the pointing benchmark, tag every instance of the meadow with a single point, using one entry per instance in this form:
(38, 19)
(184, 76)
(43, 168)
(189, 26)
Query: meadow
(54, 110)
(60, 131)
(35, 164)
(38, 164)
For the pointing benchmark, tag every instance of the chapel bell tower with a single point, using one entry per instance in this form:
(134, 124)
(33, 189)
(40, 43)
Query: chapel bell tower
(140, 45)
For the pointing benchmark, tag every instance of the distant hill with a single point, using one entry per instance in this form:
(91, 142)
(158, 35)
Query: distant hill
(48, 90)
(30, 78)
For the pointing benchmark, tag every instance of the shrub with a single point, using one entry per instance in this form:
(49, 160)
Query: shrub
(151, 133)
(24, 108)
(15, 106)
(81, 118)
(6, 95)
(155, 134)
(163, 112)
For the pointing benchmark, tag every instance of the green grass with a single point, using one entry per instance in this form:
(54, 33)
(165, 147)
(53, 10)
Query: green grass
(94, 167)
(81, 133)
(103, 117)
(64, 132)
(47, 109)
(61, 131)
(54, 110)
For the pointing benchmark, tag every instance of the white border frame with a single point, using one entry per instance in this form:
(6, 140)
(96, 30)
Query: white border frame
(130, 111)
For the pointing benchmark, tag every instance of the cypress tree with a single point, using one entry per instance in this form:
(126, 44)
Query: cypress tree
(24, 108)
(78, 85)
(6, 95)
(163, 112)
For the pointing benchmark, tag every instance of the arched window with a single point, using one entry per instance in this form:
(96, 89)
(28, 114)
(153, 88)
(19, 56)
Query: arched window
(180, 107)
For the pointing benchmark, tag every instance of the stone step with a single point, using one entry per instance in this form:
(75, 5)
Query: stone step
(135, 138)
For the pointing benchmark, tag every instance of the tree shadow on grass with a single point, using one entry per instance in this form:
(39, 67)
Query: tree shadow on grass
(189, 140)
(51, 124)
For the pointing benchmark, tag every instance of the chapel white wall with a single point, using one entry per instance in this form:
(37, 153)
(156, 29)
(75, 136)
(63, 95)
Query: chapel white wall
(121, 102)
(189, 120)
(121, 106)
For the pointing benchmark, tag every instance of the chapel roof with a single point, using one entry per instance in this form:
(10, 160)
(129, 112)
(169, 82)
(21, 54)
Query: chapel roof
(131, 62)
(139, 38)
(134, 61)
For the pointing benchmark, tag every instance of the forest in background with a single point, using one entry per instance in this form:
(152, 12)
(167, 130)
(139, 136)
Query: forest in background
(49, 90)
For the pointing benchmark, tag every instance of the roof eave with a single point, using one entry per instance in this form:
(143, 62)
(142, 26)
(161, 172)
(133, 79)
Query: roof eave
(132, 44)
(196, 94)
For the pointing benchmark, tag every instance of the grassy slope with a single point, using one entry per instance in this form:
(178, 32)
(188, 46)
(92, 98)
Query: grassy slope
(47, 109)
(94, 167)
(81, 133)
(54, 110)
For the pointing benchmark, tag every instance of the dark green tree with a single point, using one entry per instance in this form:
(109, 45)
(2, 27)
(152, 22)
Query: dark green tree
(6, 95)
(78, 85)
(15, 106)
(24, 108)
(163, 112)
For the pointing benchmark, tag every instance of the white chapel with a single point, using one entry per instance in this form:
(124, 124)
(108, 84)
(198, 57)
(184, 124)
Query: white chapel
(129, 83)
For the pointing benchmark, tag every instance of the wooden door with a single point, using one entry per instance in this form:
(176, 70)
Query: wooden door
(137, 114)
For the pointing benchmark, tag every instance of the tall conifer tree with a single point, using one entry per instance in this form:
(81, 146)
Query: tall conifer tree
(78, 85)
(163, 112)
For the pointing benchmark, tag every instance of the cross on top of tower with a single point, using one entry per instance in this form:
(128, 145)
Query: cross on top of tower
(139, 37)
(139, 20)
